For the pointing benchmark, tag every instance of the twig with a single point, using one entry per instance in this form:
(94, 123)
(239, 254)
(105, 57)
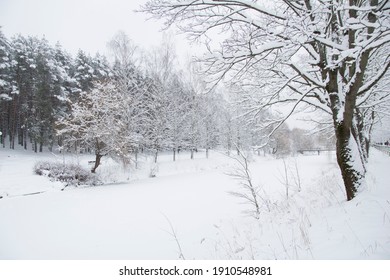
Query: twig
(174, 235)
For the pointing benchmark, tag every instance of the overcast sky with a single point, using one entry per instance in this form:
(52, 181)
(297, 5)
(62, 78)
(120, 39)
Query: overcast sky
(79, 24)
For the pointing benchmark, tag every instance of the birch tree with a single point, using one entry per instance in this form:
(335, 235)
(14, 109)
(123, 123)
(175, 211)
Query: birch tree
(318, 53)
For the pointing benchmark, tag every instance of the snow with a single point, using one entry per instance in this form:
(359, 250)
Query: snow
(241, 3)
(130, 217)
(3, 95)
(355, 161)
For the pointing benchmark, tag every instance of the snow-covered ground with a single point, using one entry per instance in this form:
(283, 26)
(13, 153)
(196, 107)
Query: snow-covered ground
(187, 209)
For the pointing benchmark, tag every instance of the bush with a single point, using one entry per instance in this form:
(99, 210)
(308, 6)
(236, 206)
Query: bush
(70, 174)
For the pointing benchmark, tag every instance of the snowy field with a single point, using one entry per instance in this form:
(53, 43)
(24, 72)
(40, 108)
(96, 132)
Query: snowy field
(186, 211)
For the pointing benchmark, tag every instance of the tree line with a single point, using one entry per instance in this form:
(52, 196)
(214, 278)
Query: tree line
(140, 101)
(38, 83)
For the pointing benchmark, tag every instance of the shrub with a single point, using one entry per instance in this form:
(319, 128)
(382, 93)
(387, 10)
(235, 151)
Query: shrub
(70, 174)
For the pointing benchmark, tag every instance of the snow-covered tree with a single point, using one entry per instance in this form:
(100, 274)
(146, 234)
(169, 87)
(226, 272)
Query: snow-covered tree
(37, 84)
(83, 71)
(99, 122)
(177, 115)
(193, 123)
(42, 122)
(161, 70)
(123, 51)
(135, 86)
(301, 140)
(6, 84)
(317, 53)
(63, 83)
(41, 77)
(211, 126)
(5, 68)
(25, 51)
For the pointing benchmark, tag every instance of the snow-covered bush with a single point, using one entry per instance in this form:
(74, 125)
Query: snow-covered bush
(70, 174)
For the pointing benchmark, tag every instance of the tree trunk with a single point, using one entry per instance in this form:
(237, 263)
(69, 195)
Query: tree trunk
(155, 156)
(97, 163)
(41, 145)
(359, 135)
(348, 151)
(25, 139)
(20, 137)
(349, 161)
(12, 140)
(174, 154)
(136, 159)
(3, 137)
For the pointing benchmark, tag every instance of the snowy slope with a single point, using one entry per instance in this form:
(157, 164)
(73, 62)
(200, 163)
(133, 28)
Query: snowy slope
(139, 218)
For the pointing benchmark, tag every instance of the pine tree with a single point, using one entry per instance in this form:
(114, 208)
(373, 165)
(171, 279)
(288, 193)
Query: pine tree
(83, 71)
(6, 87)
(5, 68)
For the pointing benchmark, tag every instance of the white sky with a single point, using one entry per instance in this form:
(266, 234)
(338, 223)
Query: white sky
(80, 24)
(85, 24)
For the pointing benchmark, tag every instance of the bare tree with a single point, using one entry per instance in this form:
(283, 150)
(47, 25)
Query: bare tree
(317, 53)
(249, 193)
(123, 51)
